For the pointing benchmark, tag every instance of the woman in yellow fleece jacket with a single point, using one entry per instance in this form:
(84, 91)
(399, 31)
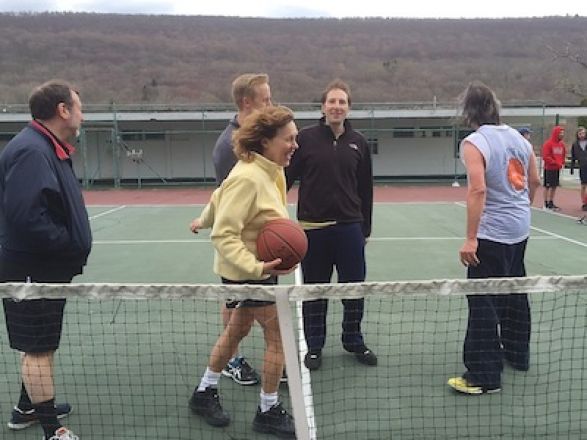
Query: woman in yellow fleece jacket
(253, 193)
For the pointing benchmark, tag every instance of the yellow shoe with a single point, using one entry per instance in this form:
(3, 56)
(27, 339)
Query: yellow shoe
(461, 385)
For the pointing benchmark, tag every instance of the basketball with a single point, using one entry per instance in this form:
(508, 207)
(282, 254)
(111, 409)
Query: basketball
(282, 238)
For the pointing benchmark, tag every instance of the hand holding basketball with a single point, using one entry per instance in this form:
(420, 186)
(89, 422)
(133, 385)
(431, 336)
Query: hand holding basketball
(269, 268)
(284, 239)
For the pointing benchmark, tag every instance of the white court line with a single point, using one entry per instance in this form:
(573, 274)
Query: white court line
(110, 211)
(207, 240)
(435, 238)
(415, 203)
(305, 373)
(197, 205)
(162, 205)
(551, 234)
(560, 237)
(551, 212)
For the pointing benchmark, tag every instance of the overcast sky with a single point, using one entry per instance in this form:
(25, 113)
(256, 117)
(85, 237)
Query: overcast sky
(309, 8)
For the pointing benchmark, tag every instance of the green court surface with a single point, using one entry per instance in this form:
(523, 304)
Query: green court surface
(128, 367)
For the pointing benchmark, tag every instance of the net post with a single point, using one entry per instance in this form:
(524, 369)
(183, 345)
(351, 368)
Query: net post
(294, 379)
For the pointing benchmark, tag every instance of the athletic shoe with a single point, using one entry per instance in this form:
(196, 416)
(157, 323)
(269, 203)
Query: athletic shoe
(62, 434)
(313, 360)
(366, 357)
(554, 207)
(363, 354)
(283, 378)
(275, 421)
(584, 207)
(20, 419)
(462, 385)
(241, 372)
(207, 404)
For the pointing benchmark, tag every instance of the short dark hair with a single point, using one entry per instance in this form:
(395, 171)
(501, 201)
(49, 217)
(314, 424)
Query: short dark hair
(337, 84)
(45, 98)
(480, 105)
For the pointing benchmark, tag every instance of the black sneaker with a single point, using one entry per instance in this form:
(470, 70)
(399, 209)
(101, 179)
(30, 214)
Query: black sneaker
(313, 360)
(207, 404)
(554, 207)
(241, 372)
(283, 378)
(366, 357)
(584, 207)
(20, 419)
(275, 421)
(363, 354)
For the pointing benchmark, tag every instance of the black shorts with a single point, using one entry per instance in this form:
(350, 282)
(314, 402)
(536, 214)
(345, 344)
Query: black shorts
(551, 178)
(271, 281)
(583, 175)
(34, 325)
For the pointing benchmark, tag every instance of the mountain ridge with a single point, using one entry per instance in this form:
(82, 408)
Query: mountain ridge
(192, 59)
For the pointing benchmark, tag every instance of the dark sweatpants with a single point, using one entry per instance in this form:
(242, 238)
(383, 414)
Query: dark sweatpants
(341, 246)
(499, 325)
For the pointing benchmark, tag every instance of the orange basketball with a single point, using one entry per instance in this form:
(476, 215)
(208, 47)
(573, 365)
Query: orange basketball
(282, 238)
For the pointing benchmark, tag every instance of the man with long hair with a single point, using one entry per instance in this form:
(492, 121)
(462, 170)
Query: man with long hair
(502, 177)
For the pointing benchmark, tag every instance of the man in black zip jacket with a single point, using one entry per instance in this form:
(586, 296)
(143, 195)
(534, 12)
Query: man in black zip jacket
(45, 237)
(579, 154)
(335, 205)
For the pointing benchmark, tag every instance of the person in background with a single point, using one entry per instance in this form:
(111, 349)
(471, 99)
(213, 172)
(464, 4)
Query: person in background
(579, 154)
(253, 193)
(502, 181)
(250, 92)
(553, 156)
(335, 206)
(44, 238)
(526, 132)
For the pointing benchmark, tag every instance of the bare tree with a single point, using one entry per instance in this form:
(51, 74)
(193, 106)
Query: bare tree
(576, 55)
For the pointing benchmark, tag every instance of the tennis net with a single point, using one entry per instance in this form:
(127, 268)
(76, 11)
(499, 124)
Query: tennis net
(131, 355)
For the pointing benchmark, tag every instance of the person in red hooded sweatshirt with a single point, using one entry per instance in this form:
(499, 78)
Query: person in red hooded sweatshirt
(553, 156)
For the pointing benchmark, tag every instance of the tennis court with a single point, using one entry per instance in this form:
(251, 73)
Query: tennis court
(128, 367)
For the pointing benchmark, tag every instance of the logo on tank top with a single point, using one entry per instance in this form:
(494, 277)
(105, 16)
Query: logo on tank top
(516, 174)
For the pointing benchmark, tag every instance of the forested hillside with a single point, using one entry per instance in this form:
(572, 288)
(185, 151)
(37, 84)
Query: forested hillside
(192, 60)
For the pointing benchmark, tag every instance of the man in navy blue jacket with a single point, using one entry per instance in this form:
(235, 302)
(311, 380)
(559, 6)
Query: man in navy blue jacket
(45, 237)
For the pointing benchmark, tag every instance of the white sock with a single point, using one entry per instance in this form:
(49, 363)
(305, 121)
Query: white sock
(209, 379)
(268, 400)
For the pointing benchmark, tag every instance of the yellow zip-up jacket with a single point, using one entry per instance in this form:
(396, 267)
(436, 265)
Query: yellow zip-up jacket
(252, 194)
